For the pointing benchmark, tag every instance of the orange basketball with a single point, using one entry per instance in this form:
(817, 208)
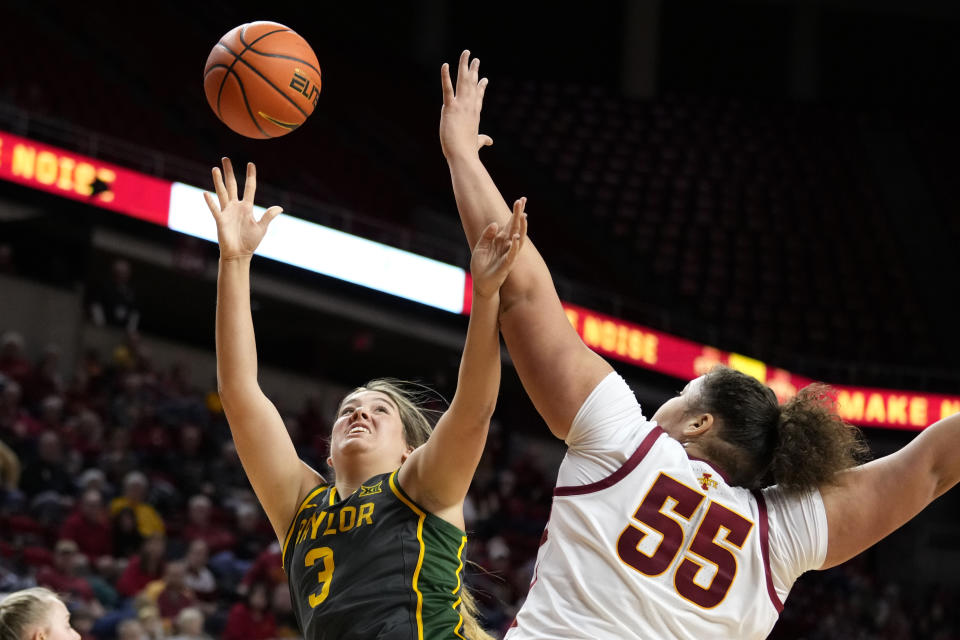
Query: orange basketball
(262, 80)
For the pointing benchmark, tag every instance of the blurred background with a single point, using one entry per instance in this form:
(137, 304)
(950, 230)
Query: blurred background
(771, 178)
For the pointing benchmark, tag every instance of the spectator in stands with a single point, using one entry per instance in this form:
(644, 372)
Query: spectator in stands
(146, 566)
(189, 625)
(115, 303)
(9, 472)
(176, 595)
(118, 459)
(63, 576)
(125, 535)
(13, 358)
(35, 613)
(199, 577)
(251, 619)
(86, 436)
(16, 423)
(227, 470)
(192, 462)
(89, 526)
(200, 525)
(46, 379)
(250, 540)
(131, 629)
(267, 568)
(135, 486)
(47, 471)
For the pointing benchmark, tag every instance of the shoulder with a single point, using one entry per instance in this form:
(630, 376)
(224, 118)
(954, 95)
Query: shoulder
(609, 408)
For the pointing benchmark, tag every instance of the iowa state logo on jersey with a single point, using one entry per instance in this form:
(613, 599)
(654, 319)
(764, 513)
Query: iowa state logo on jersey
(707, 482)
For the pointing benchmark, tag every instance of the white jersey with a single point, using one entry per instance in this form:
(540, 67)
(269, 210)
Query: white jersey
(646, 542)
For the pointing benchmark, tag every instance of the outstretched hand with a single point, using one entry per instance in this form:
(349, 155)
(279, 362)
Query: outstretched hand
(460, 115)
(497, 251)
(238, 232)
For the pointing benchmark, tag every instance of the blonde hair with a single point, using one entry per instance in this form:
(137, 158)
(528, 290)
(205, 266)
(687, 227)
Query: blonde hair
(412, 400)
(21, 611)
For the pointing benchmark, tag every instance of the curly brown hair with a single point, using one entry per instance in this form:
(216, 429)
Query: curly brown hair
(799, 445)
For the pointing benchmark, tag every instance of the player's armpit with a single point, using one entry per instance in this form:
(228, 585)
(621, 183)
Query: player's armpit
(871, 501)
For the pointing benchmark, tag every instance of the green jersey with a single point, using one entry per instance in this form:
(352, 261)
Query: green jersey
(373, 565)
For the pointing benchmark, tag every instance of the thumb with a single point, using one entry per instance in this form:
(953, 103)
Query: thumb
(484, 140)
(269, 215)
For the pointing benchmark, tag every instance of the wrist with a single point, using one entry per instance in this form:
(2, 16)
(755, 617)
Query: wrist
(486, 296)
(462, 156)
(236, 257)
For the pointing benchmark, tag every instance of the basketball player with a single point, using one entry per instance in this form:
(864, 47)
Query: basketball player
(35, 614)
(378, 552)
(696, 522)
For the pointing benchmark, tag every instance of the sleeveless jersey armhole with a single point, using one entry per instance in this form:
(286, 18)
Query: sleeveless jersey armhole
(303, 505)
(417, 509)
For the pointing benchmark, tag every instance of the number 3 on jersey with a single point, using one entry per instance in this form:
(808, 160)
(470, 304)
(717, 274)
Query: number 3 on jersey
(325, 555)
(704, 546)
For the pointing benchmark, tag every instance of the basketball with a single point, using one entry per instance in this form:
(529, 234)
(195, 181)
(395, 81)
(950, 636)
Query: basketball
(262, 80)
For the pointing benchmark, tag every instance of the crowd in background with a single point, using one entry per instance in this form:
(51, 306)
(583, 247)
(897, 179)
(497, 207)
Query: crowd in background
(120, 488)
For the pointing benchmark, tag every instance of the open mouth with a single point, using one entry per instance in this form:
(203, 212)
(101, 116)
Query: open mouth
(357, 428)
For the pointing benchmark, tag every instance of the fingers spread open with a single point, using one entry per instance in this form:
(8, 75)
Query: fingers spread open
(269, 215)
(250, 186)
(463, 71)
(219, 187)
(446, 84)
(211, 204)
(229, 179)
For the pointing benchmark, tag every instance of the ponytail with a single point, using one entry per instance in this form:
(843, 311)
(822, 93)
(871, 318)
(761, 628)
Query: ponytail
(468, 610)
(799, 445)
(814, 443)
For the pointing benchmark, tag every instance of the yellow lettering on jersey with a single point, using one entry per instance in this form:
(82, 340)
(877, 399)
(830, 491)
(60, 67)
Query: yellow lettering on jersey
(315, 521)
(366, 513)
(301, 532)
(345, 523)
(330, 529)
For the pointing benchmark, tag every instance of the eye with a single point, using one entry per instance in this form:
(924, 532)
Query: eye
(346, 410)
(383, 408)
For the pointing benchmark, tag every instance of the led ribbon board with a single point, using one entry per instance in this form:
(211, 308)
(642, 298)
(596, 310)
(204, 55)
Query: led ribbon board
(407, 275)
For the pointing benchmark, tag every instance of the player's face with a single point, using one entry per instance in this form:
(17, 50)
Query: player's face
(368, 422)
(57, 625)
(673, 414)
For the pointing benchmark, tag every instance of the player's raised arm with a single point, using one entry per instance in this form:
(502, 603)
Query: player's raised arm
(263, 444)
(558, 371)
(871, 501)
(439, 473)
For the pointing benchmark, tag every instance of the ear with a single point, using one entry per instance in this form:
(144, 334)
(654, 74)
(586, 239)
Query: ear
(406, 454)
(330, 461)
(698, 425)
